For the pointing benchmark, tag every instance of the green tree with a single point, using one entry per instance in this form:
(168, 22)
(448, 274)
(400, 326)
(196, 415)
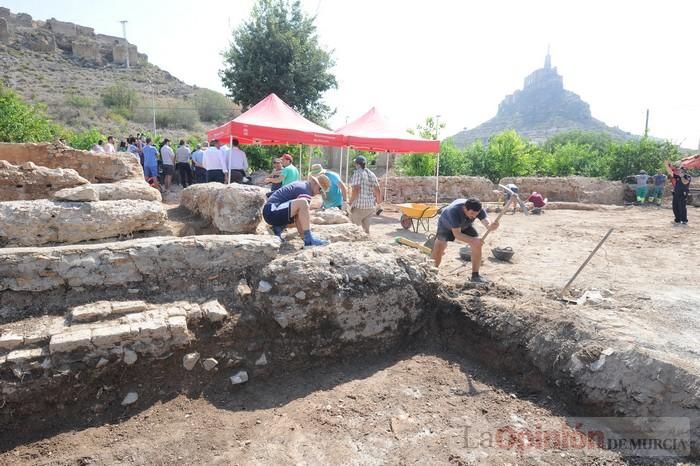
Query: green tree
(277, 50)
(85, 139)
(421, 164)
(630, 157)
(21, 122)
(213, 106)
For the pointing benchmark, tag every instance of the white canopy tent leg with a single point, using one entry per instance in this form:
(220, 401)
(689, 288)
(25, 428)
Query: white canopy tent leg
(386, 174)
(437, 178)
(228, 160)
(341, 164)
(311, 153)
(301, 148)
(347, 166)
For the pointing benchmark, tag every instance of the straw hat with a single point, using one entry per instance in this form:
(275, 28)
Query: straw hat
(317, 169)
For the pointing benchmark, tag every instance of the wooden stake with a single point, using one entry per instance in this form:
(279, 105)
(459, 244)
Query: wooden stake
(566, 287)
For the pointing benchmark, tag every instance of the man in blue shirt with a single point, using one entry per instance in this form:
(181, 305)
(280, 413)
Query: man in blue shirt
(200, 173)
(455, 223)
(150, 160)
(337, 192)
(290, 204)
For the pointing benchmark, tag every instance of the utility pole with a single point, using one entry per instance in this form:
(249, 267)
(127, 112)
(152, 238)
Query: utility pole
(646, 125)
(126, 42)
(153, 105)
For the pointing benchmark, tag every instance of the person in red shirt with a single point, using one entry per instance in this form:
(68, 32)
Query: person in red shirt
(538, 202)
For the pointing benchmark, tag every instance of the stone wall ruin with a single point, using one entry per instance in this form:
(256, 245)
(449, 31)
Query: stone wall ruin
(79, 41)
(102, 168)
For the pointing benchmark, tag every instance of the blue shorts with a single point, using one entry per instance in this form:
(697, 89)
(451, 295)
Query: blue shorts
(149, 171)
(278, 215)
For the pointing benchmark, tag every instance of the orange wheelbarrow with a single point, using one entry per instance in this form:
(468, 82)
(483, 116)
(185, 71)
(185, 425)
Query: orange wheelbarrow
(415, 216)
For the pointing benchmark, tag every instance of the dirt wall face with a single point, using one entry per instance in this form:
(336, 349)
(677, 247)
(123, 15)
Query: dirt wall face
(571, 189)
(100, 168)
(422, 188)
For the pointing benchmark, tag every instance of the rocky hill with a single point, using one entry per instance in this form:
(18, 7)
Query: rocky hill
(83, 79)
(540, 110)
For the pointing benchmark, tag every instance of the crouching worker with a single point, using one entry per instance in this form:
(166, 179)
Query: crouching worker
(290, 204)
(538, 202)
(455, 222)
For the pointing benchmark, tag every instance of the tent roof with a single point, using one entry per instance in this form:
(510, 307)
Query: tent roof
(692, 161)
(373, 132)
(271, 121)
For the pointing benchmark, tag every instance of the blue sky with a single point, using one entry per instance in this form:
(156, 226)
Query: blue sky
(456, 59)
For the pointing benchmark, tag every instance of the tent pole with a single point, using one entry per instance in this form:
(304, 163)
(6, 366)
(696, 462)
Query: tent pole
(341, 163)
(301, 148)
(347, 165)
(437, 178)
(386, 174)
(228, 159)
(311, 152)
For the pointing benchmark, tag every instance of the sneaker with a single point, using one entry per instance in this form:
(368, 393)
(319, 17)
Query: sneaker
(316, 241)
(683, 224)
(379, 211)
(479, 279)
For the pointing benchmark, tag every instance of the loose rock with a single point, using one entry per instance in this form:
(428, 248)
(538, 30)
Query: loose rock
(209, 364)
(130, 398)
(239, 378)
(189, 360)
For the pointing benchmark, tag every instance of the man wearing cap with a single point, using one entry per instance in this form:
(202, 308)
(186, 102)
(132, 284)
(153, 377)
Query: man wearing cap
(641, 190)
(337, 192)
(365, 194)
(290, 174)
(275, 179)
(290, 204)
(455, 223)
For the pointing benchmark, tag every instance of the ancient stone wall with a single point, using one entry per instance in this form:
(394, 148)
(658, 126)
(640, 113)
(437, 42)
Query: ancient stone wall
(33, 223)
(4, 31)
(233, 208)
(62, 27)
(422, 188)
(572, 189)
(566, 189)
(144, 301)
(28, 181)
(101, 168)
(87, 49)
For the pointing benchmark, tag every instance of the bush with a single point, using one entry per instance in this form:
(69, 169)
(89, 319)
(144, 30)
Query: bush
(21, 122)
(213, 107)
(79, 101)
(119, 96)
(85, 139)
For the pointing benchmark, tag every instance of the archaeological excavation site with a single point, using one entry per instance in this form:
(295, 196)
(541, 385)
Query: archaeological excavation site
(141, 328)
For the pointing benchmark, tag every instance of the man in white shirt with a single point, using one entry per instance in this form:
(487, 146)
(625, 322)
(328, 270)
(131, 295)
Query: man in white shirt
(215, 163)
(109, 146)
(168, 157)
(182, 164)
(237, 163)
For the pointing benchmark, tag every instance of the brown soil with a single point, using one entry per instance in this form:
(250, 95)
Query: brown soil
(399, 409)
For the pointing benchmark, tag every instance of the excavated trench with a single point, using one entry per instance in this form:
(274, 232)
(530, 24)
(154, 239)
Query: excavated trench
(272, 314)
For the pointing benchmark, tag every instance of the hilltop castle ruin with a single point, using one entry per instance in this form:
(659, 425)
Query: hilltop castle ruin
(541, 109)
(72, 39)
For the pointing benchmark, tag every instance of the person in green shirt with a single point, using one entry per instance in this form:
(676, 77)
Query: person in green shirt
(290, 174)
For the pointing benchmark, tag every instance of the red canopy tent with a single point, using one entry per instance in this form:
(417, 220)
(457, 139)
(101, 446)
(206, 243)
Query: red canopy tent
(271, 121)
(373, 132)
(692, 161)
